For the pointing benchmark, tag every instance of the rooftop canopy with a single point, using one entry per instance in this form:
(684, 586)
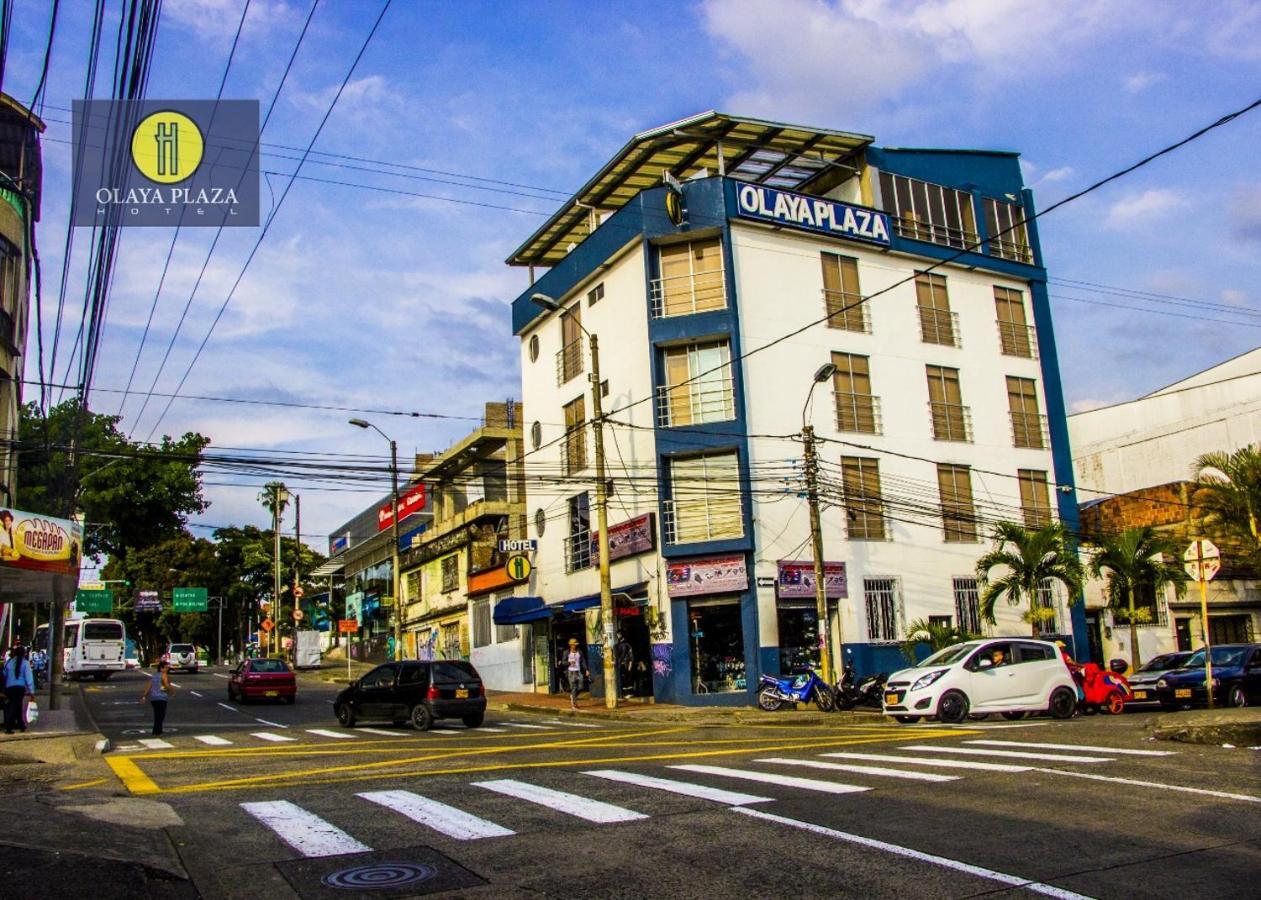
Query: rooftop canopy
(790, 157)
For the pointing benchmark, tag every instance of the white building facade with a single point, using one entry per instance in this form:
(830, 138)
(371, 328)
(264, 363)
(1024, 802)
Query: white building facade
(783, 250)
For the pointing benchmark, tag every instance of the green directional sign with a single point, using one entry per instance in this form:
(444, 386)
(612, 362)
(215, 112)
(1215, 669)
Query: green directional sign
(189, 599)
(98, 601)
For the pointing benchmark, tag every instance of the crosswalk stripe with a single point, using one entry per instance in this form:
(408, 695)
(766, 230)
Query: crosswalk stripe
(861, 770)
(268, 736)
(523, 725)
(810, 784)
(448, 820)
(304, 831)
(155, 744)
(1075, 747)
(212, 739)
(381, 731)
(485, 728)
(1010, 754)
(939, 763)
(571, 724)
(444, 731)
(571, 804)
(718, 795)
(333, 734)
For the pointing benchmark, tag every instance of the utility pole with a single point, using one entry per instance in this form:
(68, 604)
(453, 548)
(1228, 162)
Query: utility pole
(278, 492)
(398, 612)
(602, 522)
(816, 541)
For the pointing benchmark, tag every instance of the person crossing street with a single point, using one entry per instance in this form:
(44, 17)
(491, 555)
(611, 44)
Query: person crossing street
(19, 688)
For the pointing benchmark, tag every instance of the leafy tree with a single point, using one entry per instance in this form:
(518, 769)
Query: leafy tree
(1228, 489)
(938, 637)
(1137, 559)
(133, 495)
(1028, 557)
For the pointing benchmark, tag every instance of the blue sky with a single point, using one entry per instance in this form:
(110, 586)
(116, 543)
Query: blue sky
(379, 299)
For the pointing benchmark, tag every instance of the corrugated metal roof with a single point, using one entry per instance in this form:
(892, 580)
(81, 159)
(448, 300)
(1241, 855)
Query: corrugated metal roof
(789, 157)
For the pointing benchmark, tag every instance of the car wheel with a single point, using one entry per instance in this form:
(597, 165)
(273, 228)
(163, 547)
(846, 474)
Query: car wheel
(345, 715)
(1014, 716)
(1115, 704)
(952, 707)
(907, 720)
(1063, 704)
(1237, 697)
(474, 721)
(422, 717)
(767, 700)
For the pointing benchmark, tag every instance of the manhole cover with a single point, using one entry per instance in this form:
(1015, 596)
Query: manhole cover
(382, 873)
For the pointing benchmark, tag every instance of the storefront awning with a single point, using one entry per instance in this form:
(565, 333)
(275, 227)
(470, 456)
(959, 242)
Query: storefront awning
(578, 604)
(516, 610)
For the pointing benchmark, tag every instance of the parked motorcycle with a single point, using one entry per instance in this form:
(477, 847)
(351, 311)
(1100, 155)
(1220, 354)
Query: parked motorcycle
(1102, 690)
(868, 692)
(774, 692)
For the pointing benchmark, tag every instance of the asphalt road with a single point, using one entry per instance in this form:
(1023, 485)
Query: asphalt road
(533, 805)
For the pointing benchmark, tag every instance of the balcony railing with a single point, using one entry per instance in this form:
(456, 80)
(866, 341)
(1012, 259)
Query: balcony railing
(919, 230)
(1005, 248)
(695, 403)
(858, 413)
(1030, 430)
(939, 326)
(850, 311)
(568, 362)
(682, 295)
(1017, 340)
(951, 421)
(700, 522)
(578, 551)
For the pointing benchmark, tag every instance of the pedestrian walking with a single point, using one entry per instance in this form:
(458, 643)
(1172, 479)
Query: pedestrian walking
(157, 692)
(576, 671)
(19, 688)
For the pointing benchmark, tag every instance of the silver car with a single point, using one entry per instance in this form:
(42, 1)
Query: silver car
(182, 656)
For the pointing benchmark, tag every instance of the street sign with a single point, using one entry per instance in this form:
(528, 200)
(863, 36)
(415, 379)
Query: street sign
(92, 586)
(298, 591)
(297, 615)
(189, 599)
(99, 600)
(347, 626)
(518, 568)
(1203, 560)
(148, 601)
(267, 625)
(530, 545)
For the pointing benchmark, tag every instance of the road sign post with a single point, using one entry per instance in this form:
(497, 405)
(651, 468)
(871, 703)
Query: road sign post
(1203, 560)
(347, 627)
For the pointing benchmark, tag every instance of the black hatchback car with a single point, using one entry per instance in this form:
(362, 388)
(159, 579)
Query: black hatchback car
(420, 692)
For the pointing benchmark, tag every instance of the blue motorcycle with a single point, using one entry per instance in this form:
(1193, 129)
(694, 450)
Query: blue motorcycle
(774, 692)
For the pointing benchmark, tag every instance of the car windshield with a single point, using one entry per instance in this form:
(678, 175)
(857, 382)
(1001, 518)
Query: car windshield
(268, 665)
(1166, 662)
(1222, 656)
(948, 656)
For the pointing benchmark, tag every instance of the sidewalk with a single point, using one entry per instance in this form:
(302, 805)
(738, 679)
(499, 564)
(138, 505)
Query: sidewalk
(71, 719)
(1241, 727)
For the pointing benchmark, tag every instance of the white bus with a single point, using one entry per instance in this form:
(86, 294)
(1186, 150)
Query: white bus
(95, 647)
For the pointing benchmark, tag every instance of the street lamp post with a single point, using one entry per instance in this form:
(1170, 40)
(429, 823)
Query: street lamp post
(279, 495)
(823, 374)
(398, 623)
(601, 506)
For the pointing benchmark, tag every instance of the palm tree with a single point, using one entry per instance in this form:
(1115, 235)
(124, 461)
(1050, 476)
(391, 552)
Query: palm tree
(937, 636)
(1228, 488)
(1136, 559)
(1030, 557)
(275, 499)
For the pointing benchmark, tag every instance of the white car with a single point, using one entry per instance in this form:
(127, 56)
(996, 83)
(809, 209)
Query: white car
(182, 656)
(1012, 676)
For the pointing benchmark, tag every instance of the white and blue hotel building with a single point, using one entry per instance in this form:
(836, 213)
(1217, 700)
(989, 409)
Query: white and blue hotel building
(722, 261)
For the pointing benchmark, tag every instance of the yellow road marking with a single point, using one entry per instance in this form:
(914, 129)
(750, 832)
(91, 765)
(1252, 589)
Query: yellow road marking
(85, 784)
(130, 775)
(332, 775)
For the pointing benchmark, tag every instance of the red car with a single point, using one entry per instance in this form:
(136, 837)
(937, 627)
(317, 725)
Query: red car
(262, 679)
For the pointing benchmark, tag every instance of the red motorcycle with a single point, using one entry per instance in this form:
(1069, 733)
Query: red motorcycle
(1102, 690)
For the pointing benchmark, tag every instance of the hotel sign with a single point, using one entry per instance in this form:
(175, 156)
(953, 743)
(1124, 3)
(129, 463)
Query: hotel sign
(814, 214)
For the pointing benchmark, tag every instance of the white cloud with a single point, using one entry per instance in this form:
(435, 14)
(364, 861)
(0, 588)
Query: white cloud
(1235, 297)
(1140, 81)
(214, 20)
(1137, 208)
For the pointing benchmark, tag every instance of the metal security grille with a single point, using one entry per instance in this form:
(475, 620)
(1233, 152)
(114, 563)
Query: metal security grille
(882, 608)
(481, 623)
(967, 605)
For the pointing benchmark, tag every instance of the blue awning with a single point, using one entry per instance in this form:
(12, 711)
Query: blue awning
(516, 610)
(578, 604)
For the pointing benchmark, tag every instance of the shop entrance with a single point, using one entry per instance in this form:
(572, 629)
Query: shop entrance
(564, 627)
(632, 653)
(1182, 633)
(798, 636)
(716, 636)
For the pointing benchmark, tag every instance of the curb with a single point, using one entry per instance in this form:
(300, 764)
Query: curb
(103, 746)
(698, 718)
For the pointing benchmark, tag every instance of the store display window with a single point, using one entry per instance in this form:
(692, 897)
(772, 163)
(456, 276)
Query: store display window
(716, 635)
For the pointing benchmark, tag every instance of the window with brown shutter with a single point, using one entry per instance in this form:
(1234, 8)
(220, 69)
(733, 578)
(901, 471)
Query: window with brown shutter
(937, 324)
(864, 506)
(958, 514)
(950, 418)
(856, 409)
(1027, 424)
(841, 295)
(1035, 497)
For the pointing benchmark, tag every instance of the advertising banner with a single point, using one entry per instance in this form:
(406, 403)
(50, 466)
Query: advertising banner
(37, 554)
(711, 575)
(637, 535)
(148, 601)
(796, 579)
(409, 503)
(354, 605)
